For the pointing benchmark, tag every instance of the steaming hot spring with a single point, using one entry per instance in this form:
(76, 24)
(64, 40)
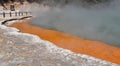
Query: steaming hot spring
(92, 31)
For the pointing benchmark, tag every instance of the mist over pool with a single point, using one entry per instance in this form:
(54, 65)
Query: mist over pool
(97, 23)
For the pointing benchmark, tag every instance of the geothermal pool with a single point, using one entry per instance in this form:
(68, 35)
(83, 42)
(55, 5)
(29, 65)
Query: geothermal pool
(91, 29)
(100, 24)
(75, 44)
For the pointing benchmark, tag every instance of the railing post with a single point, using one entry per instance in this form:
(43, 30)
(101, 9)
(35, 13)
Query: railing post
(10, 14)
(22, 13)
(3, 14)
(26, 13)
(15, 13)
(19, 13)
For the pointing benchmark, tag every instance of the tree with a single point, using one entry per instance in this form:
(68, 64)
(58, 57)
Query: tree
(2, 4)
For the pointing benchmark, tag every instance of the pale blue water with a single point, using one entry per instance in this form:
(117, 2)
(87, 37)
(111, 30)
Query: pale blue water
(102, 24)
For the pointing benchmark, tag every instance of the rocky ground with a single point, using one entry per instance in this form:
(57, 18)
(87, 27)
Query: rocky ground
(21, 49)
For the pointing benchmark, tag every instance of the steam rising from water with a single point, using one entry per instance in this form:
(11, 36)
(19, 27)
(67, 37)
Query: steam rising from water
(102, 24)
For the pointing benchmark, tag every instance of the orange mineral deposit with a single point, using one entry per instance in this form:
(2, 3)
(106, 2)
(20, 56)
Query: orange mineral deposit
(73, 43)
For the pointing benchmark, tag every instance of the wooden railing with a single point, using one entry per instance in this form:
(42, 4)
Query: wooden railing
(13, 14)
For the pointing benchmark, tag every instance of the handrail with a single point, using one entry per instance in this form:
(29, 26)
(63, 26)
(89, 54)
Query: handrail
(15, 14)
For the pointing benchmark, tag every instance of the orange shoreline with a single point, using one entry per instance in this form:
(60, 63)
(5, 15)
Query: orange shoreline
(75, 44)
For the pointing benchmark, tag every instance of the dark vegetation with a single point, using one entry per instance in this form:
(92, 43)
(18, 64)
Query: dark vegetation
(55, 1)
(2, 2)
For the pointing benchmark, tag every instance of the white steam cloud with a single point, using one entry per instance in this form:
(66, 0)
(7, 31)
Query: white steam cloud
(101, 24)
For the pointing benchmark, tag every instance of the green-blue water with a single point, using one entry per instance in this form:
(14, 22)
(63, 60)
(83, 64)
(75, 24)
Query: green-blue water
(102, 24)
